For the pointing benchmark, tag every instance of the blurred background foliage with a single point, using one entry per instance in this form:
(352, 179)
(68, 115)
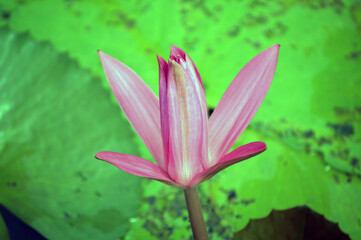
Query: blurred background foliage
(57, 111)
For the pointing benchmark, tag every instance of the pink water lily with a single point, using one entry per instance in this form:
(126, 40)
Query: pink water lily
(187, 147)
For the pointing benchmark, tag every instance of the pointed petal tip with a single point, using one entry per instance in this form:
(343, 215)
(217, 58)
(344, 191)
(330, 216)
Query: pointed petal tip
(163, 67)
(270, 51)
(249, 150)
(106, 58)
(160, 59)
(103, 56)
(176, 51)
(100, 155)
(260, 144)
(100, 53)
(173, 47)
(274, 49)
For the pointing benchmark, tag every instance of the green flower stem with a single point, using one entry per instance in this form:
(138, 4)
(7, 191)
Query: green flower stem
(195, 214)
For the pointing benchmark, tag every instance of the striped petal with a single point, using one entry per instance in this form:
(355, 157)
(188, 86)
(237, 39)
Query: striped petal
(187, 122)
(240, 102)
(193, 76)
(242, 153)
(138, 102)
(136, 166)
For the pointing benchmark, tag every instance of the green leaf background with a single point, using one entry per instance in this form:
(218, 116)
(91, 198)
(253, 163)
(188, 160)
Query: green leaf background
(56, 111)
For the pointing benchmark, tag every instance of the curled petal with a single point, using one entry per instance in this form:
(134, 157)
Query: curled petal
(242, 153)
(136, 166)
(138, 102)
(240, 102)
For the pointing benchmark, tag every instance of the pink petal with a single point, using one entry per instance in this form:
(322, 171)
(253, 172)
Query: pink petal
(241, 101)
(242, 153)
(138, 102)
(187, 124)
(176, 52)
(173, 129)
(136, 166)
(163, 72)
(193, 76)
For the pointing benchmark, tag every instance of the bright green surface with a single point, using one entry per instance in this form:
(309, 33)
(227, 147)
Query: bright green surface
(54, 118)
(280, 178)
(310, 120)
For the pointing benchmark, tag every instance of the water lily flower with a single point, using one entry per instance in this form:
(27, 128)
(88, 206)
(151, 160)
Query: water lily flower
(188, 147)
